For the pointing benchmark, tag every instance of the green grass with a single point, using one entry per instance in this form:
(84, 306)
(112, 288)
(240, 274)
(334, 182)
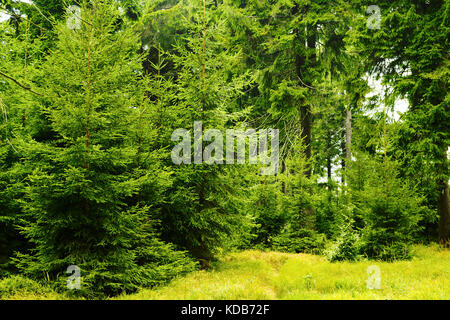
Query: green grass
(274, 275)
(20, 288)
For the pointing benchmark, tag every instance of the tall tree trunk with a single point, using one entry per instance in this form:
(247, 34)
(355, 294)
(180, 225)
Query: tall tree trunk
(329, 171)
(444, 219)
(88, 109)
(301, 64)
(443, 203)
(305, 116)
(348, 135)
(158, 100)
(305, 80)
(343, 156)
(346, 142)
(205, 254)
(203, 59)
(329, 140)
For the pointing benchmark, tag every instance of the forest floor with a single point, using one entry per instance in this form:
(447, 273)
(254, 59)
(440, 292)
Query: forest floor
(258, 275)
(273, 275)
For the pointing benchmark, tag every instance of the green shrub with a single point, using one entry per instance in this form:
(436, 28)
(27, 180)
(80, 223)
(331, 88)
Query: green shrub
(347, 245)
(264, 206)
(376, 244)
(18, 284)
(391, 220)
(302, 240)
(396, 251)
(387, 208)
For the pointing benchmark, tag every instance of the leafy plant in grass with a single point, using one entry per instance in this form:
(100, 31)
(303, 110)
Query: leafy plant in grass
(390, 210)
(20, 285)
(264, 205)
(298, 202)
(301, 240)
(346, 247)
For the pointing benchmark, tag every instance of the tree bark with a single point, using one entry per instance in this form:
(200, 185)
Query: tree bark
(443, 210)
(305, 110)
(329, 158)
(346, 142)
(305, 116)
(88, 111)
(343, 156)
(443, 206)
(348, 135)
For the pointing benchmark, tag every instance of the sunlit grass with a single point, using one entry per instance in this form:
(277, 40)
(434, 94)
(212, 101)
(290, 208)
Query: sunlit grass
(33, 296)
(258, 275)
(272, 275)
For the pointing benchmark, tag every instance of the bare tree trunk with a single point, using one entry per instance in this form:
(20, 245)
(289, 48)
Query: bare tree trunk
(444, 220)
(305, 115)
(88, 110)
(346, 142)
(329, 171)
(329, 139)
(343, 156)
(348, 135)
(305, 110)
(443, 203)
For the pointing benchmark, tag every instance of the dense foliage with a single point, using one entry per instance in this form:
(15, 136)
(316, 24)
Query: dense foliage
(90, 113)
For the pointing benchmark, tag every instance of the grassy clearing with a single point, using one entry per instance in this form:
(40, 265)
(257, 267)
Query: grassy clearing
(274, 275)
(20, 288)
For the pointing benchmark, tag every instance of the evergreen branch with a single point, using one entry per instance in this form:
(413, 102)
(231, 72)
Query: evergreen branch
(16, 16)
(19, 84)
(40, 12)
(306, 84)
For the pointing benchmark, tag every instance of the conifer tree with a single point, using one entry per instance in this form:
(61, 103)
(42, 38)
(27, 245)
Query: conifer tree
(200, 213)
(417, 68)
(16, 122)
(81, 194)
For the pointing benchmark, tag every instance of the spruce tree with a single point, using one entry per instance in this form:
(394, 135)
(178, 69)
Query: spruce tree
(417, 69)
(81, 196)
(200, 214)
(19, 59)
